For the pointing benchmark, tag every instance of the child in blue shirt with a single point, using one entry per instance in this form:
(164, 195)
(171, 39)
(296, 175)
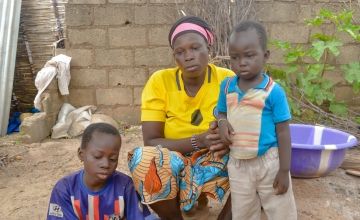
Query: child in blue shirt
(98, 191)
(254, 120)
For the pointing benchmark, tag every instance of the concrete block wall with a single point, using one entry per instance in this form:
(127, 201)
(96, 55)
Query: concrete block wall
(117, 44)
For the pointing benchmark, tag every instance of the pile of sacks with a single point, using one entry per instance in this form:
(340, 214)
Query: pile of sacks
(71, 121)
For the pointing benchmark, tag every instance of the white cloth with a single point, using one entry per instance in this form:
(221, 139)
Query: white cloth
(58, 66)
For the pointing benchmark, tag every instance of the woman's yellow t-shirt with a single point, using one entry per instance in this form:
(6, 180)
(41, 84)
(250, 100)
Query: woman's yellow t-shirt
(164, 99)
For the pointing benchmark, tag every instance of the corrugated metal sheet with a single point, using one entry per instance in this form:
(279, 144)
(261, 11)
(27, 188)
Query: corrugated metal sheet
(9, 28)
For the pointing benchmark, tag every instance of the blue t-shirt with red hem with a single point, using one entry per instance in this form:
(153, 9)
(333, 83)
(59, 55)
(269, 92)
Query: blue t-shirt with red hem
(71, 199)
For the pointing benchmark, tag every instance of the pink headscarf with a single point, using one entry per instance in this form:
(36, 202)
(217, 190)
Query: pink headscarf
(193, 27)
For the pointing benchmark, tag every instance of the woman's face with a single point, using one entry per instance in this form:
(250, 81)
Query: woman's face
(191, 53)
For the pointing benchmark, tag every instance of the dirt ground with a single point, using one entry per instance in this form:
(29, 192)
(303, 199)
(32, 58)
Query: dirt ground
(28, 173)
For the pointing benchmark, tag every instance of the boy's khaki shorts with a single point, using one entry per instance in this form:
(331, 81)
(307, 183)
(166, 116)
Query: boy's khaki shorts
(251, 187)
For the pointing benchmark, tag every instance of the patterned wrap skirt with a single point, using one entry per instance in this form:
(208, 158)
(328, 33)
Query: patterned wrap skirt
(160, 174)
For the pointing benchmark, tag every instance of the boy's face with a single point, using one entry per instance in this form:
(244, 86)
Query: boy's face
(247, 58)
(100, 158)
(191, 54)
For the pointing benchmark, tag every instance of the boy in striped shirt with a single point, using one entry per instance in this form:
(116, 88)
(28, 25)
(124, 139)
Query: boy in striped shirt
(254, 121)
(98, 191)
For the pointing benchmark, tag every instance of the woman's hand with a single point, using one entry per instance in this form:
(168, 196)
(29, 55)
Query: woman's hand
(216, 145)
(281, 182)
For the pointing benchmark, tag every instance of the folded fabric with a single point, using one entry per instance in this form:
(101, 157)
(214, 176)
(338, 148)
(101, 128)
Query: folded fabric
(58, 66)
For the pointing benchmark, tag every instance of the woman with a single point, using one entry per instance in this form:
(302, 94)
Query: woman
(178, 106)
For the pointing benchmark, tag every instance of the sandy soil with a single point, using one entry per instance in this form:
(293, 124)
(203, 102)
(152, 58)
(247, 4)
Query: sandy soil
(29, 172)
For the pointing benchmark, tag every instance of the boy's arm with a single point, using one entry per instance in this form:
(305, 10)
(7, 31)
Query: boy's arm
(284, 142)
(221, 148)
(281, 183)
(281, 117)
(224, 127)
(134, 209)
(60, 206)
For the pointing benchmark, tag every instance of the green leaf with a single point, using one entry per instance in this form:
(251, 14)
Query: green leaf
(352, 72)
(338, 108)
(281, 44)
(317, 21)
(325, 13)
(294, 54)
(352, 75)
(326, 85)
(333, 46)
(345, 16)
(317, 50)
(314, 70)
(321, 37)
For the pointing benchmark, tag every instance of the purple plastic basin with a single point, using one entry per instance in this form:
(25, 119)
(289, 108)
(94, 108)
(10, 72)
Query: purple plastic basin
(317, 150)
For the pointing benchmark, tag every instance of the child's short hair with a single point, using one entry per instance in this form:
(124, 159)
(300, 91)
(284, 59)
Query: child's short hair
(259, 28)
(99, 127)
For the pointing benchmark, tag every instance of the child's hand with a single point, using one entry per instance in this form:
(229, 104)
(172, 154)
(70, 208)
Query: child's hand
(226, 130)
(281, 182)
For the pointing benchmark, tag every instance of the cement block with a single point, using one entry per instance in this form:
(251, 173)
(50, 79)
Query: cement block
(305, 13)
(128, 1)
(335, 76)
(113, 15)
(114, 57)
(127, 36)
(87, 37)
(88, 78)
(80, 57)
(97, 118)
(127, 77)
(34, 128)
(77, 15)
(86, 1)
(345, 93)
(155, 14)
(137, 95)
(158, 36)
(166, 1)
(51, 102)
(348, 53)
(128, 114)
(276, 56)
(345, 37)
(281, 12)
(114, 96)
(81, 97)
(156, 56)
(294, 33)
